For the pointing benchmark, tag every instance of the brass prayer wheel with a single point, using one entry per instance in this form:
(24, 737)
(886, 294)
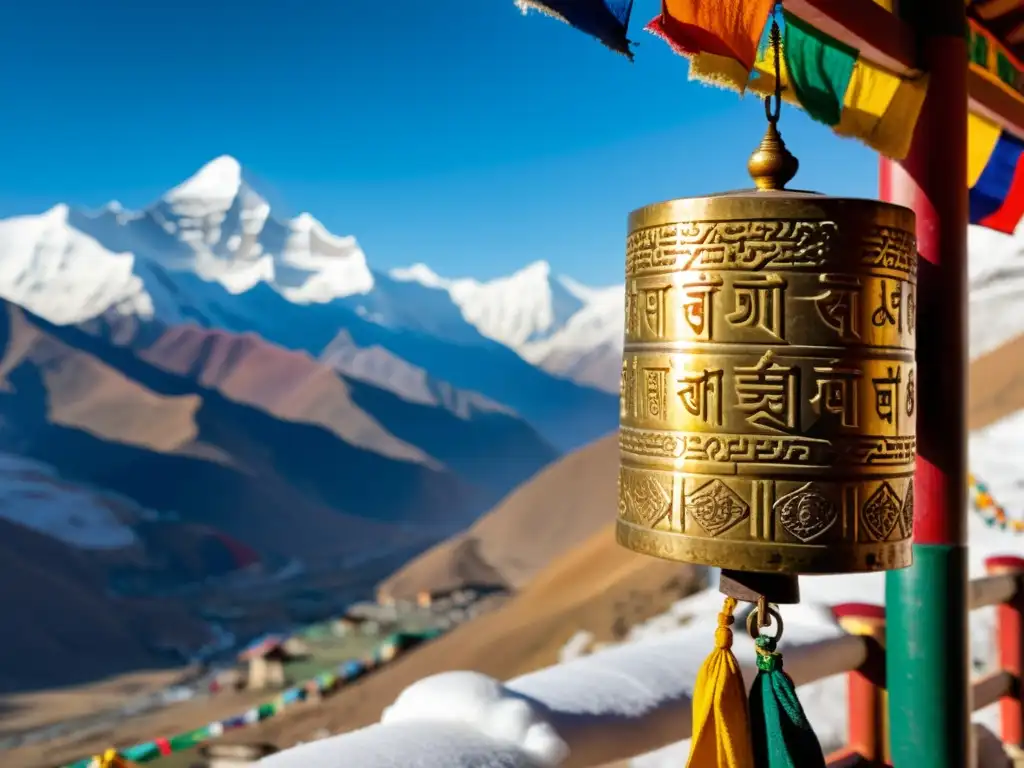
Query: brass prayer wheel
(768, 379)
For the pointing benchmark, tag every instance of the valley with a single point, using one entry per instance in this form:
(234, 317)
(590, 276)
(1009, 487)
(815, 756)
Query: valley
(215, 422)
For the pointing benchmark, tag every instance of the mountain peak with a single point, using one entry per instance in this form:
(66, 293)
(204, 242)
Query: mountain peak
(59, 213)
(305, 220)
(220, 178)
(418, 273)
(537, 270)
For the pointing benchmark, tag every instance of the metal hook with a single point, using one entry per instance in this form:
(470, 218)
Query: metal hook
(773, 111)
(764, 616)
(754, 627)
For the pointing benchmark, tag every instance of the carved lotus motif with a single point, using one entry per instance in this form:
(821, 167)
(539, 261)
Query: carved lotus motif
(646, 500)
(806, 513)
(716, 507)
(907, 513)
(881, 512)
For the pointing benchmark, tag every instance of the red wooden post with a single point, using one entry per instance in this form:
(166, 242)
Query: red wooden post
(928, 661)
(868, 727)
(1010, 638)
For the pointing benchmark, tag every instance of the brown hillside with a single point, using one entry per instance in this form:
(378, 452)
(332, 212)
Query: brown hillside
(539, 521)
(64, 612)
(599, 586)
(156, 432)
(996, 384)
(493, 449)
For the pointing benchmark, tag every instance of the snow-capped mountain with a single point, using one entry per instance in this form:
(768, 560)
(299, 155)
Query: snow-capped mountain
(566, 328)
(211, 252)
(514, 310)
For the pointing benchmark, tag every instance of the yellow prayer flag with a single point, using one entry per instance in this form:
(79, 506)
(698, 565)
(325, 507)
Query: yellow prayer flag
(881, 109)
(982, 135)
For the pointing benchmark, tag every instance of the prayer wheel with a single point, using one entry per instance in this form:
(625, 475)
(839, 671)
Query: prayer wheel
(768, 382)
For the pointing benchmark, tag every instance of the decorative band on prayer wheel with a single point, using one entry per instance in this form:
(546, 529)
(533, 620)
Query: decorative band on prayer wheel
(768, 383)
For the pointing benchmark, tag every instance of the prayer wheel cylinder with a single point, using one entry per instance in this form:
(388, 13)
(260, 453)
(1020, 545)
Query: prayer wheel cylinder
(768, 383)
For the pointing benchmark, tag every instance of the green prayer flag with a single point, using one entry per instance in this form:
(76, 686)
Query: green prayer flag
(819, 68)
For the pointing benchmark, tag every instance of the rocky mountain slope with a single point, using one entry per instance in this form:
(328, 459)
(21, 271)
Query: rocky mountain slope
(543, 519)
(194, 419)
(60, 596)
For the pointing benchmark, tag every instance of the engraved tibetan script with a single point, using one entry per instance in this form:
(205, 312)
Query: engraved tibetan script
(697, 304)
(655, 392)
(654, 309)
(631, 315)
(837, 394)
(769, 394)
(627, 389)
(701, 395)
(839, 306)
(759, 304)
(888, 310)
(887, 395)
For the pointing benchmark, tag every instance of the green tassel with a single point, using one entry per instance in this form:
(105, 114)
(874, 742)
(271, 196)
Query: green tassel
(782, 736)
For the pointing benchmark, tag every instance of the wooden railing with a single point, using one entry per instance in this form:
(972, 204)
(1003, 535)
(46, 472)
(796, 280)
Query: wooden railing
(1003, 587)
(634, 700)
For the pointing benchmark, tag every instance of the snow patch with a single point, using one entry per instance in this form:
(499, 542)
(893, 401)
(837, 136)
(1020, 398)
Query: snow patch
(33, 496)
(485, 704)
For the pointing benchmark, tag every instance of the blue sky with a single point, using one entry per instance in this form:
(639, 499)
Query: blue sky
(454, 132)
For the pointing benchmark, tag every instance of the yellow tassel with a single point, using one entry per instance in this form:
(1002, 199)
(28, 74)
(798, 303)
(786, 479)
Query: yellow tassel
(721, 723)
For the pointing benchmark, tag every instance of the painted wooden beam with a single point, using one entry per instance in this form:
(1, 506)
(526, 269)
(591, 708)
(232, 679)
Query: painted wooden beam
(888, 41)
(879, 35)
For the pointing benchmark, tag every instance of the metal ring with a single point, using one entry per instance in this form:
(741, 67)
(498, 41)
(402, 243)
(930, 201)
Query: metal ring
(753, 629)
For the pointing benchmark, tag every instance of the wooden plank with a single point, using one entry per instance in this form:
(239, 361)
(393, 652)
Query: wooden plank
(992, 687)
(996, 103)
(865, 25)
(992, 590)
(847, 757)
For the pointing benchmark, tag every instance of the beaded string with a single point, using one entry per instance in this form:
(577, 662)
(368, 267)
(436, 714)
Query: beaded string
(991, 511)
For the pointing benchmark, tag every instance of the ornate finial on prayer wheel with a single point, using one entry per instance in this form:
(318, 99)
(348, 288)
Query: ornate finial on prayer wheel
(772, 166)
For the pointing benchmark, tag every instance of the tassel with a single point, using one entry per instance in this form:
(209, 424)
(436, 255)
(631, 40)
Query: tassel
(782, 736)
(109, 759)
(721, 727)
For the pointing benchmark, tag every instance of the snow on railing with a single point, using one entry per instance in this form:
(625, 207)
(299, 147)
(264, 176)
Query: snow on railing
(634, 700)
(613, 705)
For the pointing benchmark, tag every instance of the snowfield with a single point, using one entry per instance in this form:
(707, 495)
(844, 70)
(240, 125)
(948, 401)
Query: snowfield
(33, 496)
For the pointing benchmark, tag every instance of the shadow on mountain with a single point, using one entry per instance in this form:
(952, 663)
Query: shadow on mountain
(492, 448)
(68, 630)
(274, 484)
(467, 447)
(566, 414)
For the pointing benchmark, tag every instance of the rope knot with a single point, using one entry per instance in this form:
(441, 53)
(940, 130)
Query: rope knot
(723, 638)
(723, 634)
(768, 660)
